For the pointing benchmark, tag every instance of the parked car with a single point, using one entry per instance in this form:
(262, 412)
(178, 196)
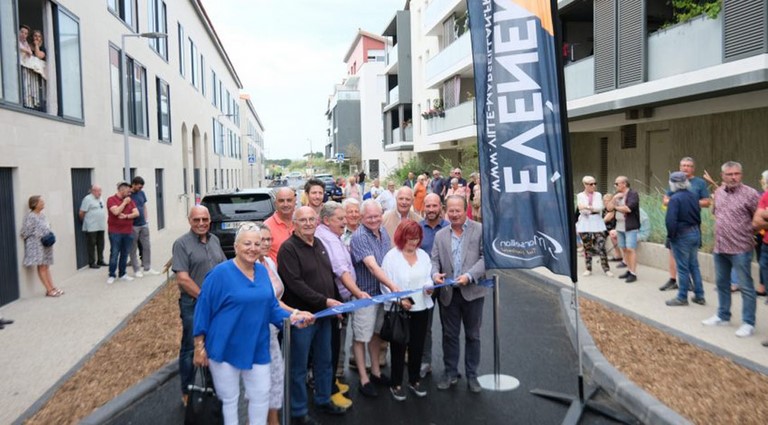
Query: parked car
(231, 208)
(278, 183)
(329, 183)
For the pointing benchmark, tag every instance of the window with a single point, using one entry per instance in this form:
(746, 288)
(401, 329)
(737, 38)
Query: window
(218, 137)
(182, 60)
(163, 111)
(214, 87)
(137, 100)
(193, 62)
(158, 23)
(202, 75)
(47, 79)
(126, 11)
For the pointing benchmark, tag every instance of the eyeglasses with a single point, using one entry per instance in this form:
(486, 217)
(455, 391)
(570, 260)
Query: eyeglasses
(590, 184)
(306, 220)
(200, 219)
(266, 239)
(615, 184)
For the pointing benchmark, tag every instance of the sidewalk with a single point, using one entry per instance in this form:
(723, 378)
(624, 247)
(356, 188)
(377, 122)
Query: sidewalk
(50, 336)
(644, 300)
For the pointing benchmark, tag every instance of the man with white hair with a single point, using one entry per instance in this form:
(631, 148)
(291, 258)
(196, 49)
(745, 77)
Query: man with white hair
(684, 235)
(402, 211)
(734, 209)
(387, 197)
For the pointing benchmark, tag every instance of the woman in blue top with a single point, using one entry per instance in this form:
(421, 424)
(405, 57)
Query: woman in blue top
(232, 317)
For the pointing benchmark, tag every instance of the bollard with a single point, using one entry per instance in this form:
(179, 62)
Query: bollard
(286, 419)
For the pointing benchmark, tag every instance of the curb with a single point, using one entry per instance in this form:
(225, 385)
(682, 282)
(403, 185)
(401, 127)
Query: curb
(108, 412)
(641, 404)
(37, 405)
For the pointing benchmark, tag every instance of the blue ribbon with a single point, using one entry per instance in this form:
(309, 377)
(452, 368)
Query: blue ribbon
(354, 305)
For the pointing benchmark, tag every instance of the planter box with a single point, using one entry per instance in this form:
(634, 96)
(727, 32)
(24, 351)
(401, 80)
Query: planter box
(655, 255)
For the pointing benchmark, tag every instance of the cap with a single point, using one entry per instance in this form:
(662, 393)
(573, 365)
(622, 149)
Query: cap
(678, 177)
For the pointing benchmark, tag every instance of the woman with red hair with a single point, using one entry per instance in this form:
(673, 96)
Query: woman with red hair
(410, 268)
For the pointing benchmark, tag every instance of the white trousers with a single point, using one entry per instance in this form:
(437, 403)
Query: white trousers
(256, 381)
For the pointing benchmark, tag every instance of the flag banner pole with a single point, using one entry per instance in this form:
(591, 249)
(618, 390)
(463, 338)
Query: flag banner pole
(497, 381)
(523, 148)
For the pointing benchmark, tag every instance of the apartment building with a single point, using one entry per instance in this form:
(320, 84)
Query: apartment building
(355, 110)
(63, 118)
(643, 90)
(252, 130)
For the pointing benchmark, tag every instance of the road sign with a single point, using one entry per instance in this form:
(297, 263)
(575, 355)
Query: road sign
(251, 159)
(339, 157)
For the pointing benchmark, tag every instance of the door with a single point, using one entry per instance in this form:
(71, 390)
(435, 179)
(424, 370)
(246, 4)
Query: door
(9, 263)
(81, 185)
(159, 198)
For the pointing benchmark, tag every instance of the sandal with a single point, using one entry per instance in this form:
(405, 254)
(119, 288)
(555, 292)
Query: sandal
(55, 292)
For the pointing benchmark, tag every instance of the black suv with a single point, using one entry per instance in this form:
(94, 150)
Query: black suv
(229, 209)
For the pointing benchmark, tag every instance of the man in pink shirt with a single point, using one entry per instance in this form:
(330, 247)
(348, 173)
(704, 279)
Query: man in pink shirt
(281, 222)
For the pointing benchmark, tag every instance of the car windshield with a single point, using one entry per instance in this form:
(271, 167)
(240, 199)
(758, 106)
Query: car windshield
(239, 206)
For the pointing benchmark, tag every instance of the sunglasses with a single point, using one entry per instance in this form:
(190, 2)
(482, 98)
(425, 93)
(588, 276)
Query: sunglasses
(590, 184)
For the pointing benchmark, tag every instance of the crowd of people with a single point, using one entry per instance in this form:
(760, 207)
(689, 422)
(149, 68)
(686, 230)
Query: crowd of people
(741, 221)
(305, 259)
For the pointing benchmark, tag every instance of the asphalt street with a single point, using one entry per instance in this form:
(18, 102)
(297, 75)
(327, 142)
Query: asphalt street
(535, 349)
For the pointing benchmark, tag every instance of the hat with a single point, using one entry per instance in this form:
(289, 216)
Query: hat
(678, 177)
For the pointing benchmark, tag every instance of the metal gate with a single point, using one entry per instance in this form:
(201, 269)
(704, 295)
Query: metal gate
(81, 186)
(9, 263)
(160, 198)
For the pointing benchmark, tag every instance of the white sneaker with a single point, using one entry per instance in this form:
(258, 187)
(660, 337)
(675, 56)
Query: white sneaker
(111, 280)
(138, 274)
(588, 273)
(715, 321)
(126, 278)
(609, 273)
(745, 330)
(151, 272)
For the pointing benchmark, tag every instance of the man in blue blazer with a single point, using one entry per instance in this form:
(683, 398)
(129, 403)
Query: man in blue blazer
(457, 254)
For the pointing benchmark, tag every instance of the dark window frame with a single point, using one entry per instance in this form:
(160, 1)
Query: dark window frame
(159, 84)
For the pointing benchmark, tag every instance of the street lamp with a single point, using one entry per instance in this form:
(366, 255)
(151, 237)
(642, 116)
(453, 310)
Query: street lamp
(221, 151)
(123, 60)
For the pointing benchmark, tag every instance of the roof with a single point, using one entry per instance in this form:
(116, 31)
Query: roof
(360, 34)
(198, 5)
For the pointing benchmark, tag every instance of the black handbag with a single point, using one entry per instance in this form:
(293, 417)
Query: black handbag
(396, 325)
(203, 406)
(48, 240)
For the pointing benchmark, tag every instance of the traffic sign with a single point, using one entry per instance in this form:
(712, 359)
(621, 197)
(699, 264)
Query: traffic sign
(251, 159)
(340, 157)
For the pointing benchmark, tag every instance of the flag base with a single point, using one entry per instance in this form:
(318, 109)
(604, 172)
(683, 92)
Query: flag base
(578, 406)
(498, 382)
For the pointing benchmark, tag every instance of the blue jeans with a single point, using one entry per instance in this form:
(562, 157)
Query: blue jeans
(724, 263)
(187, 348)
(685, 249)
(316, 339)
(119, 248)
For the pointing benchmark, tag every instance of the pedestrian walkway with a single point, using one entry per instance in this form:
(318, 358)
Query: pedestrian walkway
(643, 298)
(50, 336)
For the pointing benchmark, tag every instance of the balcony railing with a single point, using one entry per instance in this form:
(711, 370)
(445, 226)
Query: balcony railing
(690, 46)
(580, 78)
(435, 14)
(452, 60)
(394, 95)
(459, 116)
(392, 55)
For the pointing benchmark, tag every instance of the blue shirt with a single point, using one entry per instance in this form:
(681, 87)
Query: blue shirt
(698, 188)
(365, 243)
(429, 232)
(456, 249)
(140, 199)
(234, 315)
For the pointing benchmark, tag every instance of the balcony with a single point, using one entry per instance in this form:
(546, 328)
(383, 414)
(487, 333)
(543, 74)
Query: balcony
(391, 62)
(455, 59)
(580, 78)
(458, 123)
(398, 144)
(394, 96)
(690, 46)
(437, 11)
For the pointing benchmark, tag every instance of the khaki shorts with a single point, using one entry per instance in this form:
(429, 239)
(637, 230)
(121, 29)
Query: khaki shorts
(366, 322)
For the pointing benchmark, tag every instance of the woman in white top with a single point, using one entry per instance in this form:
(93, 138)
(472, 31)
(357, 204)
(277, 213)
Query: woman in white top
(590, 226)
(410, 268)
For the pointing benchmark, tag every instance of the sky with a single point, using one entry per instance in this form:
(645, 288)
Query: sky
(289, 55)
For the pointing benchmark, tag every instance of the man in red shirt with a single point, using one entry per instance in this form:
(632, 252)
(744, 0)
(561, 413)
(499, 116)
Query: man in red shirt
(760, 222)
(281, 222)
(122, 211)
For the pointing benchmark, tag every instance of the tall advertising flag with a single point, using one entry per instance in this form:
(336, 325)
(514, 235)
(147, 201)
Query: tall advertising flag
(526, 184)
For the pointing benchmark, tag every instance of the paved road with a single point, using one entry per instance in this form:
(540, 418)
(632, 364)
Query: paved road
(535, 349)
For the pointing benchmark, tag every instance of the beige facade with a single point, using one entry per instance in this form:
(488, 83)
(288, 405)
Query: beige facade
(48, 152)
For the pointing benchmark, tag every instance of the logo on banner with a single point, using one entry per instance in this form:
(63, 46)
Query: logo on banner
(542, 245)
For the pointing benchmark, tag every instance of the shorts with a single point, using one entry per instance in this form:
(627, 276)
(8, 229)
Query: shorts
(366, 322)
(628, 239)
